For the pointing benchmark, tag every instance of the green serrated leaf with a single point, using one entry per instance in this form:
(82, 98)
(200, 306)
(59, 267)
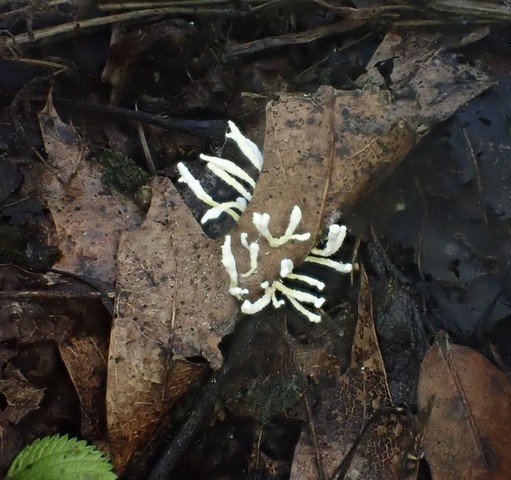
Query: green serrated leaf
(58, 457)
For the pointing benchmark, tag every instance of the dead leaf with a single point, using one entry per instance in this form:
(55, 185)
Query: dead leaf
(21, 396)
(88, 217)
(89, 380)
(322, 152)
(380, 449)
(468, 433)
(427, 76)
(172, 302)
(341, 406)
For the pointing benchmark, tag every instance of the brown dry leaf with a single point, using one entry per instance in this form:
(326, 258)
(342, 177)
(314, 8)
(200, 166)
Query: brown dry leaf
(20, 395)
(468, 434)
(25, 300)
(89, 380)
(340, 408)
(322, 153)
(88, 217)
(380, 450)
(172, 301)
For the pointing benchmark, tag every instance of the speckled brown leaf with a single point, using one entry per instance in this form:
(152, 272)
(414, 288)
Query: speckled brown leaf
(88, 217)
(427, 76)
(172, 302)
(381, 449)
(322, 152)
(341, 406)
(468, 434)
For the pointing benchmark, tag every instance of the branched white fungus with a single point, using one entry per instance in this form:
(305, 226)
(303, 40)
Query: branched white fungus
(262, 220)
(253, 249)
(328, 262)
(200, 193)
(302, 297)
(313, 282)
(311, 316)
(286, 267)
(229, 263)
(297, 298)
(249, 308)
(231, 181)
(334, 241)
(229, 167)
(215, 212)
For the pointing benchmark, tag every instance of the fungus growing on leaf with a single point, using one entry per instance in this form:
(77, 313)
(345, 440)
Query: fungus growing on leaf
(301, 291)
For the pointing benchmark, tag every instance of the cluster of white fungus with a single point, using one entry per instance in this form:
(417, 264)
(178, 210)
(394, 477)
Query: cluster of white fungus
(277, 290)
(306, 302)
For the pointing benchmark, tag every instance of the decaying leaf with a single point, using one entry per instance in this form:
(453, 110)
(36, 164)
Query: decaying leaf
(341, 406)
(426, 76)
(322, 152)
(468, 434)
(172, 302)
(88, 218)
(20, 395)
(89, 379)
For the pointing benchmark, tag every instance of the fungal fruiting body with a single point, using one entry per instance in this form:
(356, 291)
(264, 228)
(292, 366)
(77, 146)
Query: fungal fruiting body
(308, 300)
(228, 172)
(305, 302)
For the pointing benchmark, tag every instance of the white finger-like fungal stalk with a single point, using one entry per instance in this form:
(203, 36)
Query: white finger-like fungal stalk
(229, 173)
(305, 299)
(214, 212)
(201, 194)
(253, 249)
(328, 262)
(247, 146)
(228, 167)
(334, 241)
(229, 263)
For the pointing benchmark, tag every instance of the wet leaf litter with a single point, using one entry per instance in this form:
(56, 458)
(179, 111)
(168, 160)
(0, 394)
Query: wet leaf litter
(174, 341)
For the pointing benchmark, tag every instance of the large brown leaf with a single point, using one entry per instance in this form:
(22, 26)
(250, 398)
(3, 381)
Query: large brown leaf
(468, 434)
(172, 302)
(322, 152)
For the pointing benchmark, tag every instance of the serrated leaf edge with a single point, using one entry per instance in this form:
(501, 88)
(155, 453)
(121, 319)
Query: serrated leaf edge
(87, 457)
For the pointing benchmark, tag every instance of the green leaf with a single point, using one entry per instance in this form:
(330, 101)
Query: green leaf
(60, 458)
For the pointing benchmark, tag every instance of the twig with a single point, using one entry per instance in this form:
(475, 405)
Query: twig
(294, 38)
(78, 26)
(199, 128)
